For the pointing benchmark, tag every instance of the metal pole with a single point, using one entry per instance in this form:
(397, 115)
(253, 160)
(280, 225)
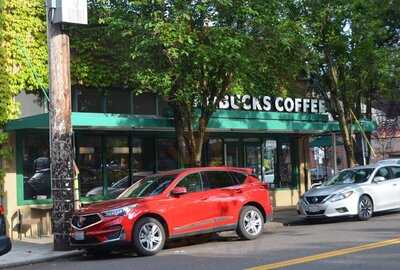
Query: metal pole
(335, 169)
(61, 151)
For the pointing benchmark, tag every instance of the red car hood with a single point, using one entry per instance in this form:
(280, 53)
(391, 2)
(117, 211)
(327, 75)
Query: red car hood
(107, 205)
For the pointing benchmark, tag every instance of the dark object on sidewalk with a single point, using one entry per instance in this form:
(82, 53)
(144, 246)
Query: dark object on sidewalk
(5, 243)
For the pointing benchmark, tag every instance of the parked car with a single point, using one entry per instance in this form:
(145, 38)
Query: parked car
(5, 243)
(360, 192)
(174, 204)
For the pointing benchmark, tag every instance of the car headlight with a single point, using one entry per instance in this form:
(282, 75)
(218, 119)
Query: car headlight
(341, 196)
(119, 212)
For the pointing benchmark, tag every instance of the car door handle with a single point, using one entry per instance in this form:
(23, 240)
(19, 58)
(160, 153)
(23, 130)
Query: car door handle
(238, 190)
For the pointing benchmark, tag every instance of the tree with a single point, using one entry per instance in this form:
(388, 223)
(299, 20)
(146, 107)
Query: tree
(194, 53)
(352, 47)
(23, 58)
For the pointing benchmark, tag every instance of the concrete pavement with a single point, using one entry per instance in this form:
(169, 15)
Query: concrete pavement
(23, 253)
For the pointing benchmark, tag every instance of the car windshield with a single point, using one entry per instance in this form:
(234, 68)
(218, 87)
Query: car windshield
(354, 176)
(149, 186)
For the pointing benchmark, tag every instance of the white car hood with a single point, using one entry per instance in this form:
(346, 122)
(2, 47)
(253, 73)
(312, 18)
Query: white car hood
(328, 190)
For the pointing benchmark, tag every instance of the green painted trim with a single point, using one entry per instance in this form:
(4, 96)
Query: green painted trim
(224, 120)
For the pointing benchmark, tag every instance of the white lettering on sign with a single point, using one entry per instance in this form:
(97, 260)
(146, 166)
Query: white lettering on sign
(267, 103)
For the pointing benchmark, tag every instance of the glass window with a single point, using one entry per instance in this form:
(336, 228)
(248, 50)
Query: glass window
(269, 162)
(90, 100)
(218, 179)
(354, 176)
(167, 154)
(116, 158)
(163, 108)
(284, 164)
(89, 164)
(253, 157)
(143, 157)
(395, 172)
(383, 172)
(192, 183)
(232, 154)
(149, 186)
(215, 152)
(145, 104)
(239, 177)
(119, 101)
(36, 167)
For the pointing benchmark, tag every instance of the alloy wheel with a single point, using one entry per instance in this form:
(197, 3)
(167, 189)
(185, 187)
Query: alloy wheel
(150, 236)
(365, 207)
(253, 222)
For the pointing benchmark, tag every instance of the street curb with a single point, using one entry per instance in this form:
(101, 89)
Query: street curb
(39, 260)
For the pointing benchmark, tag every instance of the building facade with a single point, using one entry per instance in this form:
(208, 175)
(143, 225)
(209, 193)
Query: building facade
(119, 138)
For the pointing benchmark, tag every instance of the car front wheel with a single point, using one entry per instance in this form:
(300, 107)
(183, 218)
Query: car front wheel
(365, 208)
(148, 236)
(251, 223)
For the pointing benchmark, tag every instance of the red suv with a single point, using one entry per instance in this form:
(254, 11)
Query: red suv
(174, 204)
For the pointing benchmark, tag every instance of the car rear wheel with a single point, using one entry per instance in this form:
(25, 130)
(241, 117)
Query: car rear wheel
(148, 236)
(251, 223)
(365, 208)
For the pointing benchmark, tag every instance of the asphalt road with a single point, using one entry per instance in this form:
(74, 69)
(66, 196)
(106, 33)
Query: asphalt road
(336, 244)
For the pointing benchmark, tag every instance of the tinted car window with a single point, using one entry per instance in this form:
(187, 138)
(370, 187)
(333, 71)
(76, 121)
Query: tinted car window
(384, 172)
(218, 179)
(395, 172)
(149, 186)
(239, 177)
(192, 183)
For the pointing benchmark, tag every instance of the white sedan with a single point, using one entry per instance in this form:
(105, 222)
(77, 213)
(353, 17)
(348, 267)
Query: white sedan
(360, 191)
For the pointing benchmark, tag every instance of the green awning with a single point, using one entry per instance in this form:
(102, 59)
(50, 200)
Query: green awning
(222, 120)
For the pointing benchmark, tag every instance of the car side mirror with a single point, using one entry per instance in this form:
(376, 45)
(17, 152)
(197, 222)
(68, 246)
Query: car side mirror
(379, 179)
(178, 191)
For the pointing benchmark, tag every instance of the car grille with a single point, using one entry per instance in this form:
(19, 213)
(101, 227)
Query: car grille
(315, 199)
(84, 221)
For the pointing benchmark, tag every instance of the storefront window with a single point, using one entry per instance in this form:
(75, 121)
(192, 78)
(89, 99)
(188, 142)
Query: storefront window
(36, 167)
(119, 101)
(167, 154)
(89, 164)
(215, 152)
(143, 157)
(90, 100)
(116, 164)
(231, 152)
(269, 162)
(284, 165)
(145, 104)
(252, 152)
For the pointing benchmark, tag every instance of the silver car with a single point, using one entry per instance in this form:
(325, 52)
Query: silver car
(360, 192)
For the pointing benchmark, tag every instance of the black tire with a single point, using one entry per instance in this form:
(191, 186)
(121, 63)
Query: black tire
(140, 227)
(365, 208)
(243, 228)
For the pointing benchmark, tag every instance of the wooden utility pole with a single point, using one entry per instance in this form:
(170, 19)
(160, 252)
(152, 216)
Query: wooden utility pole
(60, 128)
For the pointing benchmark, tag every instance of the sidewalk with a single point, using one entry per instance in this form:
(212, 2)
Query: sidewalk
(34, 251)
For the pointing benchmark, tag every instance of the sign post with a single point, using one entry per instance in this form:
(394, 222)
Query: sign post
(60, 127)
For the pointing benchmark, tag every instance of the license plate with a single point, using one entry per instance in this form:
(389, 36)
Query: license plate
(79, 235)
(314, 208)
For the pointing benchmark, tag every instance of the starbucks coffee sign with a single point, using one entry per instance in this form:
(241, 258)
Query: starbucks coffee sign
(273, 104)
